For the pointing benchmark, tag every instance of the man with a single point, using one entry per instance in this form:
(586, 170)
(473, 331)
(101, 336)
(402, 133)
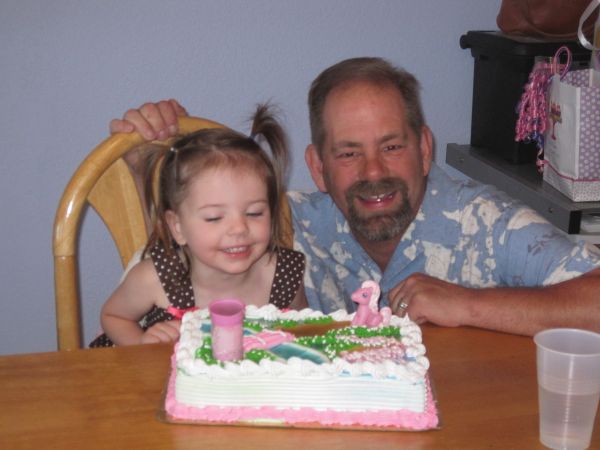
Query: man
(452, 253)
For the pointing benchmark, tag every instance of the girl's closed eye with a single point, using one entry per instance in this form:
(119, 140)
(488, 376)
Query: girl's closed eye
(255, 213)
(258, 209)
(213, 218)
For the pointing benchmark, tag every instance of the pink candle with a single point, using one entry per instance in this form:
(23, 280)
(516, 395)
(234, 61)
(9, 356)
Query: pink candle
(227, 318)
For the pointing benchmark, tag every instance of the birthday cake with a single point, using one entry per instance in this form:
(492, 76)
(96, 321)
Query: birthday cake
(304, 369)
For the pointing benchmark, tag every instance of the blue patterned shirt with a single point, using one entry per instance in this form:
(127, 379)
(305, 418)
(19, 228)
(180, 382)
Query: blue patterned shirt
(465, 233)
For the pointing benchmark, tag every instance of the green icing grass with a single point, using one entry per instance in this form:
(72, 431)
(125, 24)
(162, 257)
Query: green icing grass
(256, 355)
(319, 320)
(365, 332)
(253, 325)
(326, 343)
(204, 352)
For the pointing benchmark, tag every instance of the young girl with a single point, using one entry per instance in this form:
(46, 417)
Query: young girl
(215, 225)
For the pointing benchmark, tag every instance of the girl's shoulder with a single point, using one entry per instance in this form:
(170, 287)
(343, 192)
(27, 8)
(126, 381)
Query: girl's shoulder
(143, 284)
(142, 273)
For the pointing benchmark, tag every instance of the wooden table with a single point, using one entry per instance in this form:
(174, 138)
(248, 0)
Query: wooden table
(109, 398)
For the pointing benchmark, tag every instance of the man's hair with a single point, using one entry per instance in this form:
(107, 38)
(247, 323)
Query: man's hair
(377, 71)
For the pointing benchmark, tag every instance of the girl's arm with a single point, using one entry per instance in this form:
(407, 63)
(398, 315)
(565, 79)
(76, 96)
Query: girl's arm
(134, 297)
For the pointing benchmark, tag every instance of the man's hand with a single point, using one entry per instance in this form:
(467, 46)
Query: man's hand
(167, 331)
(431, 300)
(154, 121)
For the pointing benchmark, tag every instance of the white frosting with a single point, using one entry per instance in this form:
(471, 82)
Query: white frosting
(340, 393)
(192, 337)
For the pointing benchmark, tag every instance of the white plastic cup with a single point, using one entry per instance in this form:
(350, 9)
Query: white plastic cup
(568, 370)
(227, 323)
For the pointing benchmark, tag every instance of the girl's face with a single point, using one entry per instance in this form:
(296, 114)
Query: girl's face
(224, 220)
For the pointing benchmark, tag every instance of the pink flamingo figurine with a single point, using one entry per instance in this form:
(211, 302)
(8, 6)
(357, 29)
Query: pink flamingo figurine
(368, 313)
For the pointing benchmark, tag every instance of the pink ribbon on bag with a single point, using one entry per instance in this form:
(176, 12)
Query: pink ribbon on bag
(533, 106)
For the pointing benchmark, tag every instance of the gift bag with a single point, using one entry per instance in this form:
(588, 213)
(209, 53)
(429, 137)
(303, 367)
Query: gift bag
(572, 136)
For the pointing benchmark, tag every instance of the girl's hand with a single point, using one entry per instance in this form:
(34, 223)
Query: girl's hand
(167, 331)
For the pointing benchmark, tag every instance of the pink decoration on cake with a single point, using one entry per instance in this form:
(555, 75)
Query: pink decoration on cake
(393, 353)
(368, 313)
(376, 349)
(266, 339)
(227, 328)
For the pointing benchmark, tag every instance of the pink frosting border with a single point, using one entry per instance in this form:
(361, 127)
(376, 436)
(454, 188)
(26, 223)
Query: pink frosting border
(402, 419)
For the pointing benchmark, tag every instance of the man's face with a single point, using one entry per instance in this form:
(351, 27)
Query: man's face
(373, 165)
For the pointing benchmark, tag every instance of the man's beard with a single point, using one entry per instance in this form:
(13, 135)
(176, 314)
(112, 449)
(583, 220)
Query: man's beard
(382, 226)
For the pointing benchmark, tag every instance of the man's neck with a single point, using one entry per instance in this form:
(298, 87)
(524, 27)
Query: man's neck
(381, 252)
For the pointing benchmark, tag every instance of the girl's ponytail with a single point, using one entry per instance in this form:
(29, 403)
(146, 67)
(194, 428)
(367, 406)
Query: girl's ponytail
(266, 125)
(154, 197)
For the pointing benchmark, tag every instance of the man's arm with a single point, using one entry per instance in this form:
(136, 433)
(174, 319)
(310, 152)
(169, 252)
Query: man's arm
(574, 304)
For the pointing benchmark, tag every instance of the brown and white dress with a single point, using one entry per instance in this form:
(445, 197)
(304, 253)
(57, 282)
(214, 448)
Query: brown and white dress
(177, 284)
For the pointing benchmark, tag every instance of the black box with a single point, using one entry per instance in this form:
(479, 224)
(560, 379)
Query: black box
(502, 67)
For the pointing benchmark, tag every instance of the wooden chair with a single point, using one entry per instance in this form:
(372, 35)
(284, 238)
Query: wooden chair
(103, 180)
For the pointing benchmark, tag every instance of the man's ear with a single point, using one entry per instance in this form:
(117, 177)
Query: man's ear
(175, 227)
(426, 149)
(315, 165)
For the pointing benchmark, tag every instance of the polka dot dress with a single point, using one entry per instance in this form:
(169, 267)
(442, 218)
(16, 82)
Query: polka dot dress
(175, 280)
(289, 273)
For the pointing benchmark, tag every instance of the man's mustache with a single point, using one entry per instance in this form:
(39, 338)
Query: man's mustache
(371, 188)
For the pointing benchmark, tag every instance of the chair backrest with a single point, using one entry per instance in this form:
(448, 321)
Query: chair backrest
(104, 181)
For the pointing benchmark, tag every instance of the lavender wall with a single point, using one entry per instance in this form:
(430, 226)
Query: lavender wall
(69, 66)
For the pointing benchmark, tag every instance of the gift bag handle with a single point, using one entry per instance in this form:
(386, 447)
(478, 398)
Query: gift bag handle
(587, 13)
(557, 67)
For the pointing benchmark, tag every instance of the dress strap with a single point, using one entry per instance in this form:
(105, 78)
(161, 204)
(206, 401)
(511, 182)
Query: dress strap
(289, 272)
(174, 277)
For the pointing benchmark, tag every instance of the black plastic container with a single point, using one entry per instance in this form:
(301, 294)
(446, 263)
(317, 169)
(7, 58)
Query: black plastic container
(502, 67)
